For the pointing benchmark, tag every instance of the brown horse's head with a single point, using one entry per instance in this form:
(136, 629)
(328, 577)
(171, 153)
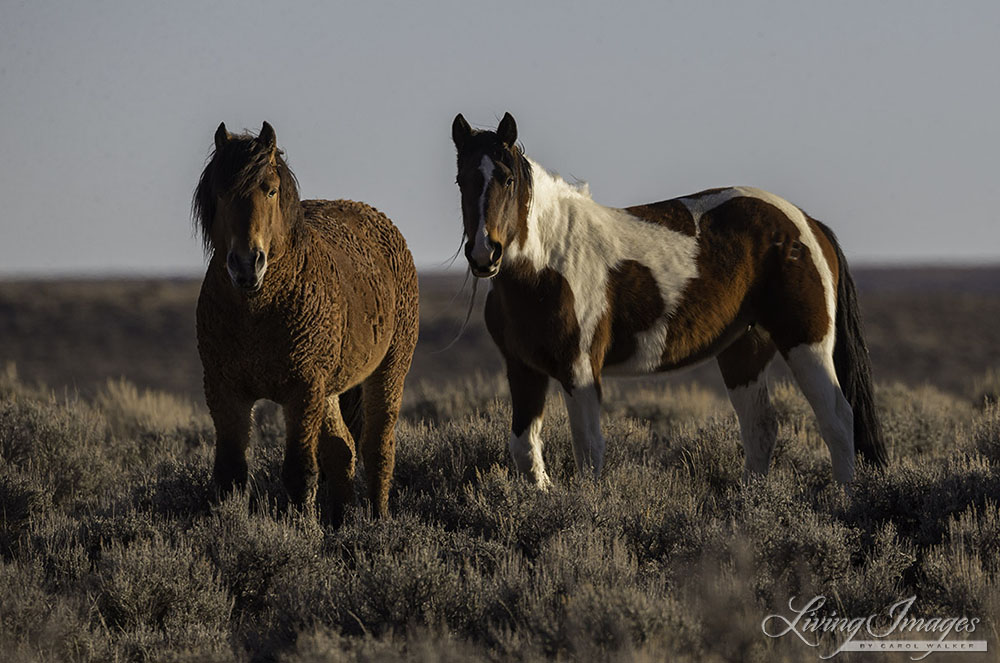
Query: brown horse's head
(245, 204)
(495, 183)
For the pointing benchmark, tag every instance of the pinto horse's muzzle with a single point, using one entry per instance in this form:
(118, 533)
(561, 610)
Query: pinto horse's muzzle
(247, 273)
(488, 268)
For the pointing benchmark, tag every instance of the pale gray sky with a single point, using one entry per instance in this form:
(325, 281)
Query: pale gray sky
(880, 118)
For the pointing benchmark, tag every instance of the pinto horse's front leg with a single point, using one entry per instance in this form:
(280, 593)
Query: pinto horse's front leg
(304, 415)
(527, 396)
(583, 405)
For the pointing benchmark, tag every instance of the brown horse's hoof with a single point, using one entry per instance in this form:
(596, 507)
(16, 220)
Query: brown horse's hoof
(229, 477)
(300, 482)
(332, 501)
(380, 510)
(332, 514)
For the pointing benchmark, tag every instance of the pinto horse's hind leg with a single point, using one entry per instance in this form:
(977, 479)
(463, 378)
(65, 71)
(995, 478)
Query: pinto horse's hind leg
(583, 405)
(527, 395)
(336, 458)
(744, 370)
(813, 368)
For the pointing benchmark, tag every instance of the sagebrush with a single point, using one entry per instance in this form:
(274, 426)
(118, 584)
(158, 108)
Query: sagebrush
(112, 548)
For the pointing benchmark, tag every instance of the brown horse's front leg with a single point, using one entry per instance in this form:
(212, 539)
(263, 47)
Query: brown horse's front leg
(304, 416)
(232, 418)
(336, 456)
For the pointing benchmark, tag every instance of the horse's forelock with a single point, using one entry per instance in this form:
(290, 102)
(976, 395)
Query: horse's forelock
(237, 169)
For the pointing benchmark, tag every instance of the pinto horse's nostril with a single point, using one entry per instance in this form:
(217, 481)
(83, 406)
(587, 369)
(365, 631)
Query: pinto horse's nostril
(496, 252)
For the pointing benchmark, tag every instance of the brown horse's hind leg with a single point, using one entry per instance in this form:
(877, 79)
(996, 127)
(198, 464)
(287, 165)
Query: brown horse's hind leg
(336, 457)
(382, 395)
(232, 419)
(304, 417)
(744, 370)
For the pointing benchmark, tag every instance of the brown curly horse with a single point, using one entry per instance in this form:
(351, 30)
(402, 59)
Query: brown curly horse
(306, 303)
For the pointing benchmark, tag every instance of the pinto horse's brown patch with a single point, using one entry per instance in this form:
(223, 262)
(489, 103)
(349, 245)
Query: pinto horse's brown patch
(670, 213)
(745, 359)
(534, 320)
(634, 306)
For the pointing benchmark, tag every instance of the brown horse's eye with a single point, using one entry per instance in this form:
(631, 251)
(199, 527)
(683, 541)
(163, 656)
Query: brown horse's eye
(272, 193)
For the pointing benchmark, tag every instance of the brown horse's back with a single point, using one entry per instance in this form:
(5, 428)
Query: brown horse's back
(375, 274)
(376, 277)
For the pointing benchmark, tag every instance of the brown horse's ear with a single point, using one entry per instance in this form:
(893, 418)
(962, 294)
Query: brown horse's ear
(507, 130)
(266, 136)
(221, 136)
(460, 131)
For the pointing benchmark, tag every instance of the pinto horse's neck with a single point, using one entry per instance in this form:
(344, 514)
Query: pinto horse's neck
(557, 212)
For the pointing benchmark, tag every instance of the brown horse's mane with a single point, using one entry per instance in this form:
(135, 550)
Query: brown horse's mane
(236, 169)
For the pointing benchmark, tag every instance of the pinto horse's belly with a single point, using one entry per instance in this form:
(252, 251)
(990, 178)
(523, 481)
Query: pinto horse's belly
(659, 353)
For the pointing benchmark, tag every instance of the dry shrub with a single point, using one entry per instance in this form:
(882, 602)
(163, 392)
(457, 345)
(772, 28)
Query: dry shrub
(921, 420)
(158, 595)
(62, 445)
(36, 625)
(985, 436)
(660, 403)
(438, 401)
(986, 388)
(132, 412)
(112, 548)
(416, 645)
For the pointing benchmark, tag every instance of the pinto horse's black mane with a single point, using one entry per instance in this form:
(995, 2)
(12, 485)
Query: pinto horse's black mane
(235, 169)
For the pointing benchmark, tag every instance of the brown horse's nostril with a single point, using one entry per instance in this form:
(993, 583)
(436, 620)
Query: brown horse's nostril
(496, 252)
(259, 259)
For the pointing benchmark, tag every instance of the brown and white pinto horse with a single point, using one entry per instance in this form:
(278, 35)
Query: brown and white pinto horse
(579, 290)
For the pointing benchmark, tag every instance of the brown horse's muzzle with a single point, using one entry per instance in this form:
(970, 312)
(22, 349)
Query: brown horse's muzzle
(247, 273)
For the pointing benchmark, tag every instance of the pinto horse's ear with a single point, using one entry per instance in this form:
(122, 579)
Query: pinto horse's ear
(460, 131)
(507, 130)
(221, 136)
(266, 136)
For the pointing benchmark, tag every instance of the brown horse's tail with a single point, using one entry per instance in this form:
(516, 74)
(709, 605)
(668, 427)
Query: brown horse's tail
(352, 411)
(853, 366)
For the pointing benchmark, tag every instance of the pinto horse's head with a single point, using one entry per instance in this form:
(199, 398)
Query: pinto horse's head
(495, 183)
(245, 202)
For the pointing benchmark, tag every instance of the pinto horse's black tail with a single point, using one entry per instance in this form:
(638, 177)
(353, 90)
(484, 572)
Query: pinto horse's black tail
(853, 366)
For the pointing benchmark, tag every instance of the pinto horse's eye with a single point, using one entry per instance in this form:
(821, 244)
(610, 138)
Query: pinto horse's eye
(509, 182)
